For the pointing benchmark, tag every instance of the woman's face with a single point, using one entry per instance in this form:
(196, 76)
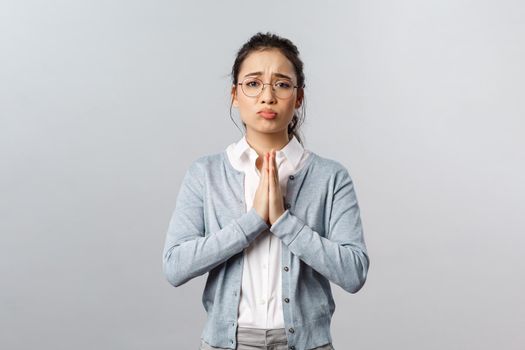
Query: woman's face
(268, 63)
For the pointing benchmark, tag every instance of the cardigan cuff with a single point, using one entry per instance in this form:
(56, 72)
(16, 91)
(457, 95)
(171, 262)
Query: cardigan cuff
(252, 224)
(287, 227)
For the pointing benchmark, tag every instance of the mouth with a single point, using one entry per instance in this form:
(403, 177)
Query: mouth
(268, 115)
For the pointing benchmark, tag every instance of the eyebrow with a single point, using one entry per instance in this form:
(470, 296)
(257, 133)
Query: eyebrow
(280, 75)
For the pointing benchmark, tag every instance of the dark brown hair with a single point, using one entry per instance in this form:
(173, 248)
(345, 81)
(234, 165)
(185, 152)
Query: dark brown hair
(265, 41)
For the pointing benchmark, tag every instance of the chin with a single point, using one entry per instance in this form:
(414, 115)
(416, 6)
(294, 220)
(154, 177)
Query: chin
(271, 129)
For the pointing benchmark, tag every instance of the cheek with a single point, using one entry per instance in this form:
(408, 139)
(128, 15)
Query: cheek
(244, 103)
(246, 110)
(290, 108)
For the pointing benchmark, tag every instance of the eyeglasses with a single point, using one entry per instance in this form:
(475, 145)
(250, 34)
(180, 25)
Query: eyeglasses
(252, 87)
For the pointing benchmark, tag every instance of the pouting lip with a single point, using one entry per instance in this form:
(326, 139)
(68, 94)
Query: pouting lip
(267, 110)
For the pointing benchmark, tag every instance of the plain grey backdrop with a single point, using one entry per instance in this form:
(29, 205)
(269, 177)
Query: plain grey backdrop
(104, 104)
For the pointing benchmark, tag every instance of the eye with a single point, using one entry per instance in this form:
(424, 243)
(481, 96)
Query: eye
(252, 83)
(283, 84)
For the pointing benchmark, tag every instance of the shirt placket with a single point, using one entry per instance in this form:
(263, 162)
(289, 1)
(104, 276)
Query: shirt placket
(272, 241)
(262, 301)
(266, 270)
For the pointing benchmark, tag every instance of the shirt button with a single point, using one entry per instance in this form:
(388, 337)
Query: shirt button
(286, 300)
(290, 330)
(291, 177)
(287, 205)
(292, 347)
(286, 268)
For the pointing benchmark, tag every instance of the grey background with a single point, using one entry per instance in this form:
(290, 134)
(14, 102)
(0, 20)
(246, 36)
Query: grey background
(104, 104)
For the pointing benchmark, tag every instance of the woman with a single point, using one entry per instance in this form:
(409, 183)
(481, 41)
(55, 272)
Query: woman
(271, 222)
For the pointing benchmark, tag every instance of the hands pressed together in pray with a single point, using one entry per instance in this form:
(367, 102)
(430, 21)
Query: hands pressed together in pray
(269, 201)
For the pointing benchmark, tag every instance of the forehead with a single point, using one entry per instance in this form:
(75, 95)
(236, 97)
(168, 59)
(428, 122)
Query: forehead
(268, 62)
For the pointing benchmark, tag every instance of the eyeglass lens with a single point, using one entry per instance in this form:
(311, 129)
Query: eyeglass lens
(282, 88)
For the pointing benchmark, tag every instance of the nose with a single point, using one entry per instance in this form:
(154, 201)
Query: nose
(267, 94)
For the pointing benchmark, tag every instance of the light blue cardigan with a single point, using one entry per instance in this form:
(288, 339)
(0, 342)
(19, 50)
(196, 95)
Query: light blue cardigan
(321, 234)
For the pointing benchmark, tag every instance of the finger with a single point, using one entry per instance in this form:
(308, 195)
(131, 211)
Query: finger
(261, 174)
(271, 173)
(265, 169)
(268, 155)
(278, 189)
(276, 174)
(272, 167)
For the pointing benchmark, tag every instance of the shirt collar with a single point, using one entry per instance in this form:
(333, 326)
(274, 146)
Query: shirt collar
(292, 151)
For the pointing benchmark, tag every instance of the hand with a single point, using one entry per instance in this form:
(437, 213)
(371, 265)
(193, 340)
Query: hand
(260, 201)
(276, 199)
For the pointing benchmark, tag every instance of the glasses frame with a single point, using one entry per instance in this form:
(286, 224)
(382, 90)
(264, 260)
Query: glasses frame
(263, 87)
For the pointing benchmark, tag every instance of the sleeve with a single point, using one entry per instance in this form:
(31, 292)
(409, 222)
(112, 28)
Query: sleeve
(341, 257)
(187, 252)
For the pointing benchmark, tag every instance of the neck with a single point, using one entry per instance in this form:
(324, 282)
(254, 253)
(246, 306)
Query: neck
(263, 143)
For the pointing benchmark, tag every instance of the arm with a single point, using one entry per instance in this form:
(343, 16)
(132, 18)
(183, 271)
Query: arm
(342, 257)
(187, 252)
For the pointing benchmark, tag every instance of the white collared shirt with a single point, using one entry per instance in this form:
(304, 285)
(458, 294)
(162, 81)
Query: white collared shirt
(260, 303)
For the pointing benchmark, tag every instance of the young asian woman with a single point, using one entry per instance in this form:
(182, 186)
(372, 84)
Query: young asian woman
(271, 222)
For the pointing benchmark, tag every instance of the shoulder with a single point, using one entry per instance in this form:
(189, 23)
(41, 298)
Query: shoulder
(211, 170)
(206, 161)
(328, 166)
(195, 173)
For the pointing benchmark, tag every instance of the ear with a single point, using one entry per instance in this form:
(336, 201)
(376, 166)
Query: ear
(299, 99)
(235, 102)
